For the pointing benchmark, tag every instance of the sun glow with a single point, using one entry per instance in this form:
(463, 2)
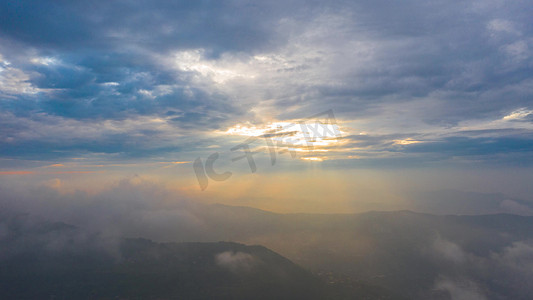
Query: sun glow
(408, 141)
(311, 137)
(313, 158)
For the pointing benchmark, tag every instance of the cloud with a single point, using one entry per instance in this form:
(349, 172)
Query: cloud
(518, 257)
(14, 81)
(16, 172)
(502, 272)
(505, 26)
(483, 148)
(237, 262)
(155, 25)
(127, 208)
(467, 203)
(449, 251)
(56, 165)
(460, 290)
(516, 208)
(519, 114)
(23, 236)
(397, 70)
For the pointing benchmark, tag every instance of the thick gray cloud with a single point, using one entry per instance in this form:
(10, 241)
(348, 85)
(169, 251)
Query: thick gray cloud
(399, 68)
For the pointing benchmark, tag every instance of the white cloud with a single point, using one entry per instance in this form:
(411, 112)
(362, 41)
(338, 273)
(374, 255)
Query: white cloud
(518, 114)
(517, 256)
(47, 61)
(518, 51)
(502, 26)
(219, 71)
(514, 207)
(449, 251)
(14, 81)
(236, 261)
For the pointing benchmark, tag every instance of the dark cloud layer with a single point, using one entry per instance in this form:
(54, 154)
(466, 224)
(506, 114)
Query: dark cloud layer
(207, 65)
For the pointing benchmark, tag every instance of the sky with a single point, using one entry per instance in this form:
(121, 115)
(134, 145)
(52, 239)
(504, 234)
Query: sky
(367, 105)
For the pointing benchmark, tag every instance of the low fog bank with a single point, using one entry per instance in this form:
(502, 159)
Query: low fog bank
(135, 207)
(128, 208)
